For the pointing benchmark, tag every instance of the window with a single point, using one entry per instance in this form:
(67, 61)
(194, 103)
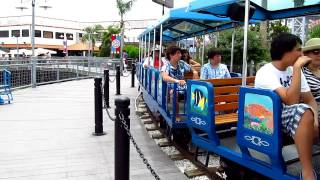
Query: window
(15, 33)
(59, 35)
(4, 33)
(25, 32)
(48, 34)
(69, 36)
(80, 35)
(37, 33)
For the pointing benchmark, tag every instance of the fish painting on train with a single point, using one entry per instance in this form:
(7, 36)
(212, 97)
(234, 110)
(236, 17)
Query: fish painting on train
(199, 99)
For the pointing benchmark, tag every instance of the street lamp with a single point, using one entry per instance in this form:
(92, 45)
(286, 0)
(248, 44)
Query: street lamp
(33, 60)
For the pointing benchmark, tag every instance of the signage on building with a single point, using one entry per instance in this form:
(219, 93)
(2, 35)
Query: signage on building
(166, 3)
(115, 44)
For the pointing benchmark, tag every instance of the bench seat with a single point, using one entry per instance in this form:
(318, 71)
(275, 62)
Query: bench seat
(226, 118)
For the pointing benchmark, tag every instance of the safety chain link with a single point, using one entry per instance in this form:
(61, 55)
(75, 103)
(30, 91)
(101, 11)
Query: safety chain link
(112, 80)
(110, 117)
(124, 75)
(145, 161)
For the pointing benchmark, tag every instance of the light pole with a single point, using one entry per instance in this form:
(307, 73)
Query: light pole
(33, 59)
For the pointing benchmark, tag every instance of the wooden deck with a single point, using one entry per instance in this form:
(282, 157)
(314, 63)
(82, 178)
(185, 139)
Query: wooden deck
(46, 134)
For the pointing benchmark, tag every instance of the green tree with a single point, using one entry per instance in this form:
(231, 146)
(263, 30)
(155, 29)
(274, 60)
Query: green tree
(132, 50)
(276, 28)
(123, 8)
(106, 40)
(314, 32)
(298, 3)
(93, 33)
(256, 52)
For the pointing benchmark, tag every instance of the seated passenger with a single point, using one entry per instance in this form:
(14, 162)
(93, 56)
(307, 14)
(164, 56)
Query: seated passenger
(312, 71)
(173, 71)
(284, 76)
(187, 58)
(214, 69)
(153, 61)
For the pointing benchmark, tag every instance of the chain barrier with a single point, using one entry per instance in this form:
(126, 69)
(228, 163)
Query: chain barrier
(110, 117)
(126, 75)
(105, 104)
(144, 160)
(112, 80)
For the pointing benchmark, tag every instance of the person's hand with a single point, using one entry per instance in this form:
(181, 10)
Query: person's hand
(195, 75)
(302, 61)
(181, 82)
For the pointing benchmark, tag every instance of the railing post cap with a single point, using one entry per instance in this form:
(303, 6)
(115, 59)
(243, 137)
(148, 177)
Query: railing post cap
(97, 79)
(122, 101)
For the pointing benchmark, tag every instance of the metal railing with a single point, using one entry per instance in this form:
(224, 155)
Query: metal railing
(56, 69)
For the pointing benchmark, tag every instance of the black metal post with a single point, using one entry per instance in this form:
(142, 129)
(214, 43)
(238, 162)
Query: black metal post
(106, 87)
(98, 115)
(121, 139)
(118, 80)
(133, 72)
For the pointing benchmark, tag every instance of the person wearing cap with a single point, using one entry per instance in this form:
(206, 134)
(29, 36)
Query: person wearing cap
(312, 70)
(153, 61)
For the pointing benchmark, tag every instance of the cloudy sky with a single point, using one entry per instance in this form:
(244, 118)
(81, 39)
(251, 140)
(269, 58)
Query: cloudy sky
(86, 10)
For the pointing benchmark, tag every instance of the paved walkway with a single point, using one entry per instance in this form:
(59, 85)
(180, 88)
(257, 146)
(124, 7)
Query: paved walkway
(46, 134)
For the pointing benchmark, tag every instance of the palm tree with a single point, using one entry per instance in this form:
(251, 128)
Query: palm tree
(92, 35)
(298, 3)
(123, 8)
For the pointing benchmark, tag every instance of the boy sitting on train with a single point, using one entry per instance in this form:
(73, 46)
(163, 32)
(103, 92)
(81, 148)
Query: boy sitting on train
(214, 68)
(283, 75)
(174, 70)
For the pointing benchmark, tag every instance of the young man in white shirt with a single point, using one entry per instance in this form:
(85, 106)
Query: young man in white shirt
(283, 75)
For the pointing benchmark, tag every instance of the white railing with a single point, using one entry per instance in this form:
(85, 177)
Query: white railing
(55, 70)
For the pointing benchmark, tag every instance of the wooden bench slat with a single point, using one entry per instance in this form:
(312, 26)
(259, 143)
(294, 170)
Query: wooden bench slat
(230, 81)
(188, 75)
(226, 89)
(226, 98)
(225, 107)
(226, 118)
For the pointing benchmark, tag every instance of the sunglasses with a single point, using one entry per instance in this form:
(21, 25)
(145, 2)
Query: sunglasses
(315, 52)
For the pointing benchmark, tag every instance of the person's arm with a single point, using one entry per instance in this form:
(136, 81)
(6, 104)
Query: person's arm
(165, 76)
(195, 73)
(146, 62)
(194, 63)
(227, 75)
(292, 94)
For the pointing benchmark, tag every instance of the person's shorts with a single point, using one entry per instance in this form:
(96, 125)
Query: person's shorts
(291, 116)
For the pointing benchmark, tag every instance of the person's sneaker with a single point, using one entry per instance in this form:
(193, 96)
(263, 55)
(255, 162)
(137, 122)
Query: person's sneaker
(314, 174)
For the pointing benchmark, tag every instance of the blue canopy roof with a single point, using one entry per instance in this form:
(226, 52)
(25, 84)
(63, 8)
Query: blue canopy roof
(179, 24)
(275, 9)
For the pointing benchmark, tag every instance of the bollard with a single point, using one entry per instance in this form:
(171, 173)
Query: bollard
(121, 140)
(106, 87)
(98, 115)
(118, 80)
(133, 71)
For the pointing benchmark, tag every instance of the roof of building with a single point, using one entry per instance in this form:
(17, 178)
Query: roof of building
(80, 47)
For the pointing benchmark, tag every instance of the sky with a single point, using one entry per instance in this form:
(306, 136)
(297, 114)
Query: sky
(86, 10)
